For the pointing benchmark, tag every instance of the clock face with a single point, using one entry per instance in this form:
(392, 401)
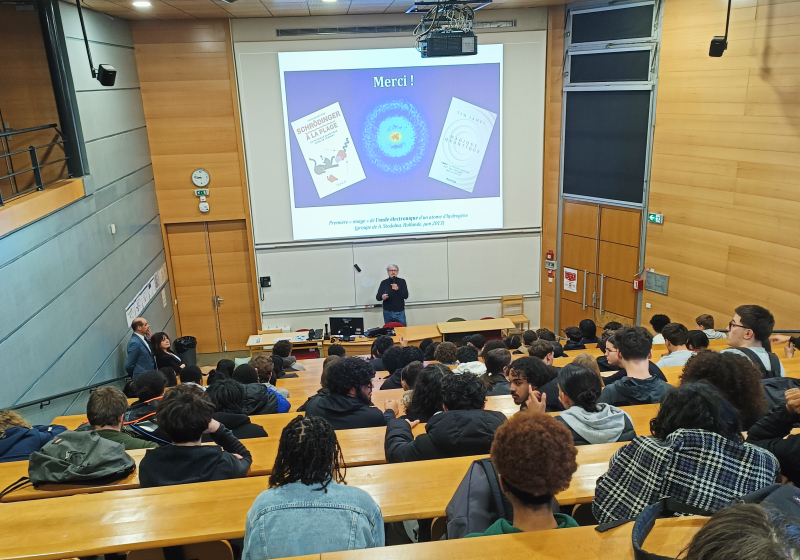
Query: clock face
(200, 177)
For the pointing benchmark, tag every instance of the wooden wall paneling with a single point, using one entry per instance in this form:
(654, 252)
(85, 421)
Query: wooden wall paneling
(578, 218)
(618, 298)
(573, 313)
(233, 282)
(618, 261)
(552, 156)
(620, 225)
(191, 277)
(579, 253)
(726, 162)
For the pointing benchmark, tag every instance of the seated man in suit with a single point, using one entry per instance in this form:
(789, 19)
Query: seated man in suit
(140, 355)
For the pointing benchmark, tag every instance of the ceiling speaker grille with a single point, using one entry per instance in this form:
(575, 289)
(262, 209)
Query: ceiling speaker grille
(378, 29)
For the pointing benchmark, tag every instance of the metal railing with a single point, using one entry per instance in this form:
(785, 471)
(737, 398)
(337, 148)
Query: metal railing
(43, 402)
(36, 165)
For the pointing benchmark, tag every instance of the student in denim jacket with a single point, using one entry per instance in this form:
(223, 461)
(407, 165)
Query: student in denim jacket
(308, 508)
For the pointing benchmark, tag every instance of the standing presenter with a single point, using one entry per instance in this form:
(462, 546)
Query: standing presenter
(393, 292)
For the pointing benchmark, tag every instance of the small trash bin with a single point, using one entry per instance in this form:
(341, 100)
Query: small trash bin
(185, 349)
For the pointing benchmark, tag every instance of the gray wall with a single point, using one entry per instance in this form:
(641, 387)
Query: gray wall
(66, 278)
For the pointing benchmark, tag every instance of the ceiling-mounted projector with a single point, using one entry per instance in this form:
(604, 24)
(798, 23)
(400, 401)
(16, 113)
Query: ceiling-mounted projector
(446, 28)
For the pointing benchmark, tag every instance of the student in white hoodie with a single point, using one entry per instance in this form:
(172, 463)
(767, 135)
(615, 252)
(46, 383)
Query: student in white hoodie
(468, 361)
(590, 422)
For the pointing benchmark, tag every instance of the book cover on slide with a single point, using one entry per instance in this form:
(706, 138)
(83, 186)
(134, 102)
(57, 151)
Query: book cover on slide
(328, 150)
(462, 145)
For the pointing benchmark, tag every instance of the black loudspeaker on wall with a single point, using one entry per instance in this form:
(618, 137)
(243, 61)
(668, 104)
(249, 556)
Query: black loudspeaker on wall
(720, 44)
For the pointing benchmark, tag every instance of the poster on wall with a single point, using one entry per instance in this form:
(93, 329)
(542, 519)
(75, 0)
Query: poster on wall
(146, 294)
(570, 280)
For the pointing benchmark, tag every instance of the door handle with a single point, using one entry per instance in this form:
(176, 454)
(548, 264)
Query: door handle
(602, 282)
(585, 276)
(219, 301)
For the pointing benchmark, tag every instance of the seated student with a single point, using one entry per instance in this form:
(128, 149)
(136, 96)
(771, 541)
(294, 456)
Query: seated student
(141, 415)
(529, 482)
(423, 345)
(705, 323)
(408, 355)
(574, 337)
(308, 508)
(349, 403)
(773, 433)
(468, 361)
(105, 411)
(589, 331)
(658, 322)
(265, 369)
(185, 414)
(746, 532)
(588, 361)
(323, 381)
(696, 341)
(602, 361)
(214, 376)
(462, 428)
(228, 396)
(612, 326)
(408, 379)
(427, 397)
(748, 335)
(478, 341)
(170, 376)
(226, 367)
(445, 354)
(548, 335)
(18, 439)
(675, 338)
(381, 345)
(543, 350)
(492, 345)
(160, 345)
(278, 371)
(192, 374)
(283, 349)
(393, 358)
(430, 351)
(791, 342)
(335, 350)
(633, 345)
(611, 362)
(528, 376)
(696, 433)
(258, 398)
(528, 337)
(497, 364)
(736, 378)
(512, 342)
(589, 421)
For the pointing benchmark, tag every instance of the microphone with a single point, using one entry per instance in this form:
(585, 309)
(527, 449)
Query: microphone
(327, 336)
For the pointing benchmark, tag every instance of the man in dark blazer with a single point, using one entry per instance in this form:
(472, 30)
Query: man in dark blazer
(140, 355)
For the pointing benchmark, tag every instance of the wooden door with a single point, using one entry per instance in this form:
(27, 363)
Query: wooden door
(618, 263)
(232, 282)
(192, 282)
(579, 253)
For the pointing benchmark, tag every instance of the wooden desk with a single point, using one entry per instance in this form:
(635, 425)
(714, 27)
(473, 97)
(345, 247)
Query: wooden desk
(668, 537)
(413, 335)
(143, 518)
(258, 342)
(455, 327)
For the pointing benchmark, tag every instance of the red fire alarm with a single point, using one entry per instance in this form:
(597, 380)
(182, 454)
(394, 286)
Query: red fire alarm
(551, 273)
(638, 284)
(550, 256)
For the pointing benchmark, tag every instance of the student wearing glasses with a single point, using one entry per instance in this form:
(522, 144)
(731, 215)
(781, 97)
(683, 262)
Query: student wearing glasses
(748, 335)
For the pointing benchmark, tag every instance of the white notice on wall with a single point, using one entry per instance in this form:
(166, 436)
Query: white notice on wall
(146, 294)
(570, 280)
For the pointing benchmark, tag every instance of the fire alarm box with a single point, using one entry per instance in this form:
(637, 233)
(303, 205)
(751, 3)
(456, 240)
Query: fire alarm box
(551, 273)
(550, 256)
(638, 284)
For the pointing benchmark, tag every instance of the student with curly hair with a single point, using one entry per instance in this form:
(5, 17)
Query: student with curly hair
(445, 354)
(696, 455)
(462, 428)
(399, 358)
(468, 361)
(534, 458)
(349, 403)
(283, 350)
(427, 397)
(589, 421)
(308, 508)
(736, 377)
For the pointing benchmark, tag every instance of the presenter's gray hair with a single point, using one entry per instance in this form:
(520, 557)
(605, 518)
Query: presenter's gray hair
(392, 265)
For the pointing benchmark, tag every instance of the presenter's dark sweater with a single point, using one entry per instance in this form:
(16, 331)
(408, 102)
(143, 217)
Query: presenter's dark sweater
(397, 298)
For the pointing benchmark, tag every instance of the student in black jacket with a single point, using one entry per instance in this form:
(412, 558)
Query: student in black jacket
(392, 360)
(528, 375)
(381, 345)
(611, 362)
(258, 398)
(185, 414)
(426, 399)
(407, 355)
(349, 403)
(574, 336)
(462, 428)
(771, 434)
(549, 336)
(227, 395)
(497, 363)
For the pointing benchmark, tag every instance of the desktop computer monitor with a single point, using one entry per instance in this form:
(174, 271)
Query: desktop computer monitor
(347, 326)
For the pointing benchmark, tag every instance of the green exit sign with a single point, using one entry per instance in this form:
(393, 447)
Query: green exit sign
(655, 218)
(201, 192)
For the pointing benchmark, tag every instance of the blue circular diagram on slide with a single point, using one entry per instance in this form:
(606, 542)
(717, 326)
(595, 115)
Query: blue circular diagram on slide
(395, 136)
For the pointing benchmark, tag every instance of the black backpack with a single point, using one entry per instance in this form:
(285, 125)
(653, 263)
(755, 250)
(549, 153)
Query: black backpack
(784, 498)
(775, 387)
(774, 363)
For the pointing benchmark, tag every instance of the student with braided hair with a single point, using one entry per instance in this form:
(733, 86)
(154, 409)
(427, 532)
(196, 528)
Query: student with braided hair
(308, 508)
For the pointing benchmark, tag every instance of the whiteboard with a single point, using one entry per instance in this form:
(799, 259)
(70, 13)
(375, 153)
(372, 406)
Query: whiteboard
(423, 263)
(307, 277)
(502, 265)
